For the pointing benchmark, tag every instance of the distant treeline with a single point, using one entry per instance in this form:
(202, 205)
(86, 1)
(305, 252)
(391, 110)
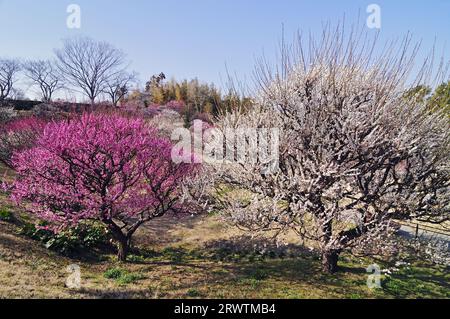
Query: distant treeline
(193, 96)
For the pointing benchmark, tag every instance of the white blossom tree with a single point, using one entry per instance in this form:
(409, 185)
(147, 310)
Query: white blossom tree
(354, 154)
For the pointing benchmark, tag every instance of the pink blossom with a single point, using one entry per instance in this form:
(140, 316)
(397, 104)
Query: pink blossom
(100, 167)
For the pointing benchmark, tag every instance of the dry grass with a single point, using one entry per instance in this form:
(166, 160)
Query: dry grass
(196, 257)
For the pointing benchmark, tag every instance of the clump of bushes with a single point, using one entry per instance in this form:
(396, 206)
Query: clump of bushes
(114, 273)
(69, 242)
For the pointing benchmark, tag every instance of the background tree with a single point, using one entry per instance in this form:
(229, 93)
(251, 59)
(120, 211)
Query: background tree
(155, 81)
(9, 69)
(100, 167)
(154, 88)
(354, 154)
(437, 100)
(440, 100)
(44, 74)
(418, 94)
(89, 65)
(118, 86)
(18, 135)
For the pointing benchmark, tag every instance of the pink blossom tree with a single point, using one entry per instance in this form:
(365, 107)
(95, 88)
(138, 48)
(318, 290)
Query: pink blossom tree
(100, 167)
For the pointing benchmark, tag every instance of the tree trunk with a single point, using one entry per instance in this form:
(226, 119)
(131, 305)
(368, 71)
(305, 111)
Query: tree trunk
(122, 249)
(329, 261)
(123, 240)
(329, 256)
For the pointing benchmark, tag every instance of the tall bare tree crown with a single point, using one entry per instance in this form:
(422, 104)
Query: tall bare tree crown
(89, 64)
(9, 68)
(45, 75)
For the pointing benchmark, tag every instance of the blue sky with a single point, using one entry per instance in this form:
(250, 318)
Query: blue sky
(197, 38)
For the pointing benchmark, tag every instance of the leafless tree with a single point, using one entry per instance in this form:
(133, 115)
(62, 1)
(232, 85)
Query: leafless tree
(89, 65)
(119, 85)
(8, 72)
(44, 74)
(354, 154)
(17, 94)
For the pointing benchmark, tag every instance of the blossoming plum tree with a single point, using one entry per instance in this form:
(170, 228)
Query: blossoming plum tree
(355, 155)
(100, 167)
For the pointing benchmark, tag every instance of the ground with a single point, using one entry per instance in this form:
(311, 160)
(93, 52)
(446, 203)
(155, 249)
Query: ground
(194, 257)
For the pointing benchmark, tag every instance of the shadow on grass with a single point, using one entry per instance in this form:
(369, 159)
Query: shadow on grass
(252, 261)
(352, 270)
(417, 282)
(238, 250)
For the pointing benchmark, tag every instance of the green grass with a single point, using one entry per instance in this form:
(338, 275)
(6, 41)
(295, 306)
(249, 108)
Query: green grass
(129, 278)
(114, 273)
(418, 282)
(122, 276)
(193, 293)
(259, 274)
(251, 282)
(6, 215)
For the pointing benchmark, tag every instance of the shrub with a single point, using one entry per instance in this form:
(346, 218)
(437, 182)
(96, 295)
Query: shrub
(204, 117)
(69, 242)
(49, 111)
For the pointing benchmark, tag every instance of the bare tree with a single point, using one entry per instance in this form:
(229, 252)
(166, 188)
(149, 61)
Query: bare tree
(354, 154)
(44, 74)
(119, 85)
(89, 64)
(8, 72)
